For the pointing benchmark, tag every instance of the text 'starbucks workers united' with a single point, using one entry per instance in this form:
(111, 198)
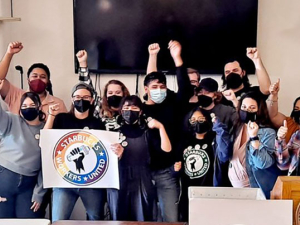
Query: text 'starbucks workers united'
(80, 158)
(196, 161)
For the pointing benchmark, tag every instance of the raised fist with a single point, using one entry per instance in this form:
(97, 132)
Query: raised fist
(252, 53)
(14, 47)
(154, 124)
(175, 48)
(153, 49)
(274, 88)
(54, 109)
(82, 58)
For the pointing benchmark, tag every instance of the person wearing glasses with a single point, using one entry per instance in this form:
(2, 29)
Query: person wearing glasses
(204, 155)
(79, 117)
(253, 163)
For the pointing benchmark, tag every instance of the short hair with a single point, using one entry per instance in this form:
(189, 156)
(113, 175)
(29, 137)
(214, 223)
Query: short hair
(191, 70)
(41, 66)
(155, 76)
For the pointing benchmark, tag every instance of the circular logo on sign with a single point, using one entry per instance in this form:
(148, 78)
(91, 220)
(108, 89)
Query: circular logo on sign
(196, 162)
(80, 158)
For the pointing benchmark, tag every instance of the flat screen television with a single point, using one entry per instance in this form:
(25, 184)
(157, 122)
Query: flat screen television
(116, 33)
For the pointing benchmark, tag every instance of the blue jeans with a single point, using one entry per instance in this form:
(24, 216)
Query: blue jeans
(64, 199)
(18, 190)
(168, 189)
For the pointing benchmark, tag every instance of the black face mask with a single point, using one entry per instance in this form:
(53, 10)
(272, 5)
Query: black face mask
(233, 81)
(30, 114)
(82, 105)
(130, 116)
(201, 128)
(114, 100)
(246, 116)
(296, 116)
(204, 101)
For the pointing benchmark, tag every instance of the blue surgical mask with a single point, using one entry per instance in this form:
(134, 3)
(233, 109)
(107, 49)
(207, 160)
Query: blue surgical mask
(158, 95)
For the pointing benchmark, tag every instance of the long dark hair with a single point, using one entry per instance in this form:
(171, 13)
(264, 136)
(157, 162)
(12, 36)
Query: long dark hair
(295, 102)
(106, 110)
(36, 100)
(204, 113)
(245, 78)
(262, 117)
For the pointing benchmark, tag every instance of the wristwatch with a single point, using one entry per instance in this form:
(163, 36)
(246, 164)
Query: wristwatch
(254, 138)
(83, 69)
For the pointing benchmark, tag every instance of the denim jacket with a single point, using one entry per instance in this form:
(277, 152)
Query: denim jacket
(223, 147)
(261, 163)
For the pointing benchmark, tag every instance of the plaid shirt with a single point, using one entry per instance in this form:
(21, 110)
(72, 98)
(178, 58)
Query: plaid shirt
(287, 155)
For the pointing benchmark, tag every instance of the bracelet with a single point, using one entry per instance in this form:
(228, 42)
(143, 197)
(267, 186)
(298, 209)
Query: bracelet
(254, 138)
(272, 101)
(51, 114)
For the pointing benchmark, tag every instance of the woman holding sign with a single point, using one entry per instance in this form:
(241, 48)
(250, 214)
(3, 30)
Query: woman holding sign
(21, 186)
(79, 117)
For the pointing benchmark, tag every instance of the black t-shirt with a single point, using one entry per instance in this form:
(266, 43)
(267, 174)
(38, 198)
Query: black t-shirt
(170, 114)
(141, 146)
(241, 92)
(69, 121)
(198, 161)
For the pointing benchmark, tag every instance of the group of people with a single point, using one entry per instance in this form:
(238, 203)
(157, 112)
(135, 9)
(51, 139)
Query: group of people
(197, 136)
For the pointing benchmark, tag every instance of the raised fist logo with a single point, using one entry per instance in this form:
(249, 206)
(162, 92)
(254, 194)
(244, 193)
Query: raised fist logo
(77, 155)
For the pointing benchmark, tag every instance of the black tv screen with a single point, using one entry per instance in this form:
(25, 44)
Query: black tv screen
(116, 33)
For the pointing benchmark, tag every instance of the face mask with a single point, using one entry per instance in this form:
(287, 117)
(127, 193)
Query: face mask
(82, 105)
(30, 114)
(130, 117)
(234, 81)
(201, 128)
(114, 100)
(296, 116)
(158, 95)
(204, 101)
(37, 86)
(246, 116)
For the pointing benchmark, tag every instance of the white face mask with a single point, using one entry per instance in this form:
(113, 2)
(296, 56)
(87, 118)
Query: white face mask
(158, 95)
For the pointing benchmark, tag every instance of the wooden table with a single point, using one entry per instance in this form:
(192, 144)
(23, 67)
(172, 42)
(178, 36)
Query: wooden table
(83, 222)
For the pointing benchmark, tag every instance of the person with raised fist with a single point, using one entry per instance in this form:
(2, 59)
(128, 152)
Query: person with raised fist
(236, 82)
(141, 137)
(193, 74)
(165, 106)
(79, 117)
(38, 80)
(277, 118)
(253, 163)
(114, 91)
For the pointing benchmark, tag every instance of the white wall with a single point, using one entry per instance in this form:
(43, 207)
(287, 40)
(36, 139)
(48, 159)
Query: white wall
(46, 31)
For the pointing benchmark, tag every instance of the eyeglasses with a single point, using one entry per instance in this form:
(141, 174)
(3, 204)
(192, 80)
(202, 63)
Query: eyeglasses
(85, 97)
(194, 120)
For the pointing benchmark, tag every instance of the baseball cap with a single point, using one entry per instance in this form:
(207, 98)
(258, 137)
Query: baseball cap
(83, 85)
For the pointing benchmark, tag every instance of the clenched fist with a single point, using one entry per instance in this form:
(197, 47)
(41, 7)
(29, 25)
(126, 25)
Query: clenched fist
(14, 47)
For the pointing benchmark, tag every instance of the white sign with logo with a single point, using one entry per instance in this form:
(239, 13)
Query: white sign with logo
(79, 158)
